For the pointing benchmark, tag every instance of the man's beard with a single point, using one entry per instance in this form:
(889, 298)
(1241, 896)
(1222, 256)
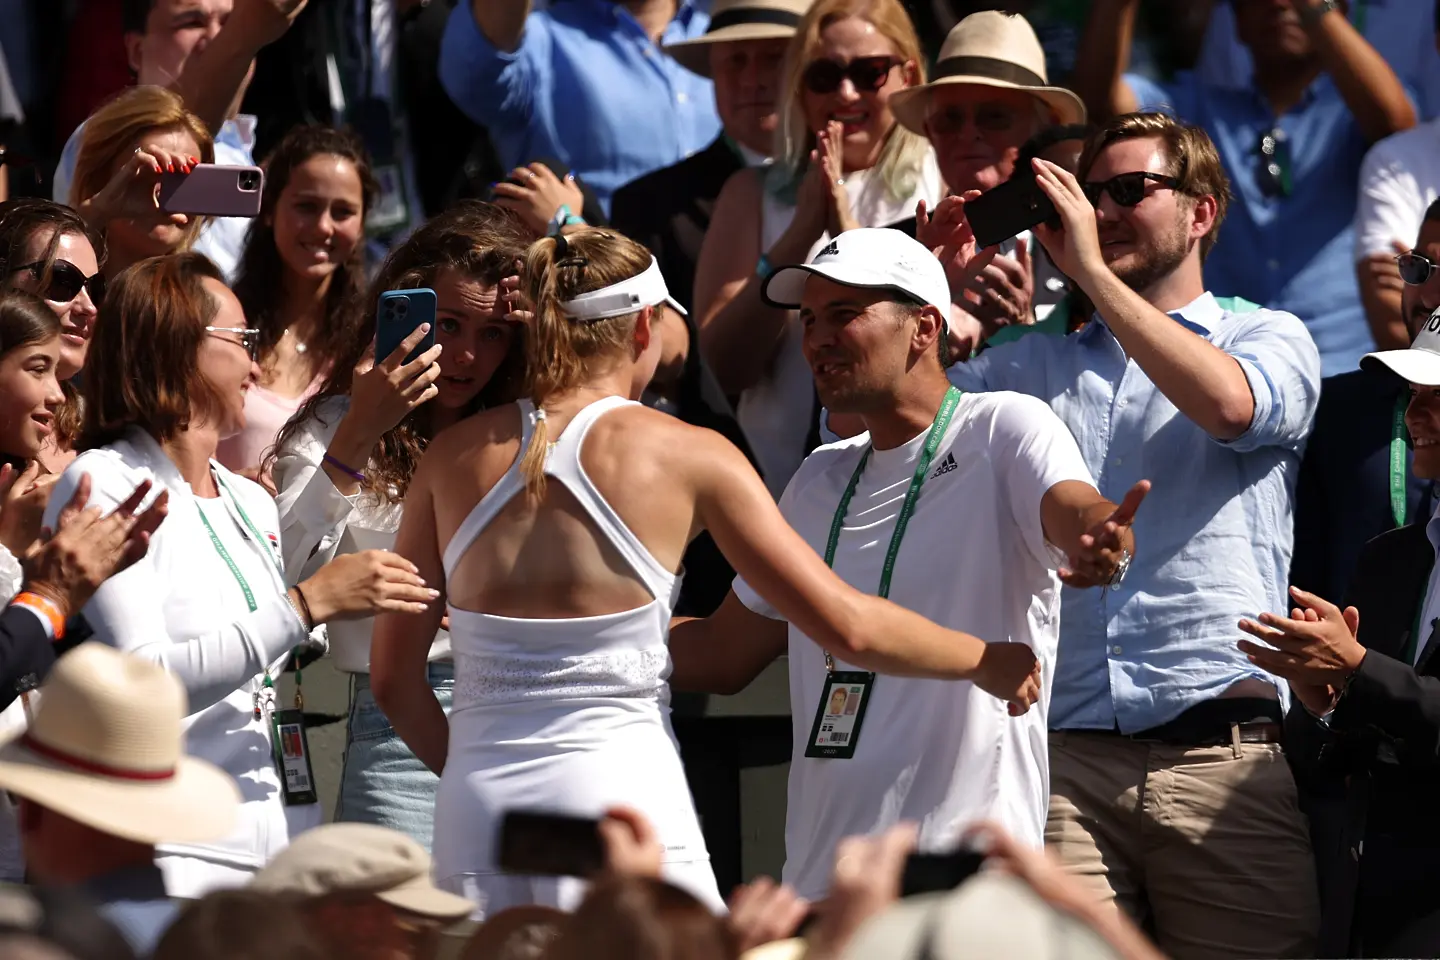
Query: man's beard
(1154, 261)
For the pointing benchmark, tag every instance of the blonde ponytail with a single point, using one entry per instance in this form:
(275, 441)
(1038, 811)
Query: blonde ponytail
(560, 352)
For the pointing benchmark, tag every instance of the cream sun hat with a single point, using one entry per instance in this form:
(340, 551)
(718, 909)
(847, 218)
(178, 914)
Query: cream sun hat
(991, 49)
(106, 749)
(739, 20)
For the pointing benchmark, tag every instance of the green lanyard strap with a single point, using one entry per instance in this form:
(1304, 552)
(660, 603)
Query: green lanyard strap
(1399, 500)
(907, 509)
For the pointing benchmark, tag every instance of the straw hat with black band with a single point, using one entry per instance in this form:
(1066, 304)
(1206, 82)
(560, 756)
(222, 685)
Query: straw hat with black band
(991, 49)
(106, 750)
(732, 20)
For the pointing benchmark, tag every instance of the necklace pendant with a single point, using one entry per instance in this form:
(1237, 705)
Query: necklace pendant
(300, 348)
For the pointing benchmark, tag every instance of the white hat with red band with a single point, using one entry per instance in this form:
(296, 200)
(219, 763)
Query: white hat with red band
(106, 749)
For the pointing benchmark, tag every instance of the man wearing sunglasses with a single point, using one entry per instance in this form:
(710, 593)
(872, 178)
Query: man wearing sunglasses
(1168, 786)
(1294, 144)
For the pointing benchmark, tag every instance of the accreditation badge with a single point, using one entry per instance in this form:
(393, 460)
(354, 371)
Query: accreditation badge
(291, 748)
(843, 701)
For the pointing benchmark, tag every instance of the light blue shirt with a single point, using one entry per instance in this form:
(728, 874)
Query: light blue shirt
(1213, 538)
(223, 239)
(586, 86)
(1297, 253)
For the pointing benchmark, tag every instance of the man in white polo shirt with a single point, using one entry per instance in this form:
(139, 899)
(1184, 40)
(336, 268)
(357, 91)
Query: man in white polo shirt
(961, 507)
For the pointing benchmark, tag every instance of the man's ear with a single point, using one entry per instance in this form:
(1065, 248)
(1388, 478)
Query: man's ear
(929, 328)
(132, 50)
(1202, 216)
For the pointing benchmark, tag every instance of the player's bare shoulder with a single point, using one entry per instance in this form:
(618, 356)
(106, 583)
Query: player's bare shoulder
(647, 438)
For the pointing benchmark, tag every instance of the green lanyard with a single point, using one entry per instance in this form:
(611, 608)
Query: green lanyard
(1357, 16)
(907, 509)
(1399, 499)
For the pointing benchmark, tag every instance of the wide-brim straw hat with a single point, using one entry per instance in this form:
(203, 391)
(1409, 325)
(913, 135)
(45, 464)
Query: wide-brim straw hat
(991, 49)
(106, 750)
(739, 20)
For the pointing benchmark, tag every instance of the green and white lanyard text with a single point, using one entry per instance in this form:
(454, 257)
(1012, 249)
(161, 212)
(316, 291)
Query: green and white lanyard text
(290, 746)
(846, 693)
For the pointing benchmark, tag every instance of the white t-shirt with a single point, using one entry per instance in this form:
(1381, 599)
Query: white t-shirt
(974, 558)
(1398, 180)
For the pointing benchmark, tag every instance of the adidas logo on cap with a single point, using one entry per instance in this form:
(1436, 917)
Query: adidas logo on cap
(946, 466)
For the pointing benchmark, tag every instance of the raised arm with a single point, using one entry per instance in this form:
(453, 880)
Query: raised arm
(213, 79)
(1371, 90)
(859, 629)
(1103, 57)
(400, 642)
(724, 652)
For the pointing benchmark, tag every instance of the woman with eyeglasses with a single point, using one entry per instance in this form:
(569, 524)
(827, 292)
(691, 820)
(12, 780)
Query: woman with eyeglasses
(301, 278)
(344, 466)
(128, 144)
(48, 250)
(841, 161)
(209, 601)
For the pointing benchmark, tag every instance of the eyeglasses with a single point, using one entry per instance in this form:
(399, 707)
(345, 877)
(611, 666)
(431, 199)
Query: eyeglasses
(1274, 163)
(989, 118)
(1416, 269)
(66, 281)
(1127, 189)
(249, 338)
(868, 74)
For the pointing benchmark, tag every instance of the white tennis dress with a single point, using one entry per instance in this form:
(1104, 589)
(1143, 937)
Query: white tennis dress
(567, 716)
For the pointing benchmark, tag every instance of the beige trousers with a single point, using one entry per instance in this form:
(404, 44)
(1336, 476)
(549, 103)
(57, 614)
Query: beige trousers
(1205, 847)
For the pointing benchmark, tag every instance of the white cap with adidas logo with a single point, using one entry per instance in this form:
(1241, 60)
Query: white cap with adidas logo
(872, 258)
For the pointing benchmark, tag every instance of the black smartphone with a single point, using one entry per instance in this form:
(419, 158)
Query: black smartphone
(933, 872)
(999, 214)
(550, 844)
(398, 315)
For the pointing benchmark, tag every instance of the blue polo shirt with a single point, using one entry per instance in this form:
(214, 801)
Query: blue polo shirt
(586, 86)
(1295, 253)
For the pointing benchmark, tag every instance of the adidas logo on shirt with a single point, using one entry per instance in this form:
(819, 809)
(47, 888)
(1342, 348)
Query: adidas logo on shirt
(946, 466)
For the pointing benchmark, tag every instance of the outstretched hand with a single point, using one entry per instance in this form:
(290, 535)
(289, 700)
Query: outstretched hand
(947, 234)
(1104, 547)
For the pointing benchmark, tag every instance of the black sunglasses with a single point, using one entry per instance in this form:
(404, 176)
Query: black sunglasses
(1126, 189)
(867, 73)
(66, 281)
(1415, 269)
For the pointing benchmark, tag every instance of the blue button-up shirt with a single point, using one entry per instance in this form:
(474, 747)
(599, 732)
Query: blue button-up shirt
(1295, 253)
(586, 86)
(1213, 538)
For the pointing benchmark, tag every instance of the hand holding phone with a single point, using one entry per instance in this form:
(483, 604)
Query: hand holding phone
(550, 845)
(398, 314)
(1003, 212)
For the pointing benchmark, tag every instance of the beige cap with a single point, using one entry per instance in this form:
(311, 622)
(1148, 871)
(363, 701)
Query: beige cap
(106, 750)
(992, 49)
(739, 20)
(361, 858)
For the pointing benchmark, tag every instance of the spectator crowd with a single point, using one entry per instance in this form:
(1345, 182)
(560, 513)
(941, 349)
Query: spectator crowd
(1050, 389)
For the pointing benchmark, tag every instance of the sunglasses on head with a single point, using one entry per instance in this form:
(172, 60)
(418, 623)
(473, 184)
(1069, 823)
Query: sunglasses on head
(66, 281)
(868, 74)
(1127, 189)
(1415, 269)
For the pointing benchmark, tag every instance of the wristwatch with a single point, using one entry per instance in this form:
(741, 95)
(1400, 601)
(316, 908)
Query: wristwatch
(1120, 570)
(1310, 14)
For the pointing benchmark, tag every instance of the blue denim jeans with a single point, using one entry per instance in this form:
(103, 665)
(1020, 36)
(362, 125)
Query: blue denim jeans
(383, 781)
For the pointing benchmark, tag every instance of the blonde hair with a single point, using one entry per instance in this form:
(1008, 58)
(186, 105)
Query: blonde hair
(1194, 161)
(114, 131)
(903, 155)
(559, 351)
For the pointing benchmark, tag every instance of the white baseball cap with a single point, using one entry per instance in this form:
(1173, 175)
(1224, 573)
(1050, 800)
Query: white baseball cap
(1419, 363)
(872, 258)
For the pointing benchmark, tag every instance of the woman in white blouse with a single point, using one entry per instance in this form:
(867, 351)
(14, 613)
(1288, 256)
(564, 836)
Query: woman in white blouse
(345, 462)
(165, 382)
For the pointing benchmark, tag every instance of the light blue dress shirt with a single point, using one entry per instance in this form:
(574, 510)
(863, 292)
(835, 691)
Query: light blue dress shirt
(1213, 538)
(586, 86)
(1295, 253)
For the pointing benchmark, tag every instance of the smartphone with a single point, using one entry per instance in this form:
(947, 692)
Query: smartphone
(999, 214)
(211, 190)
(933, 872)
(400, 312)
(550, 845)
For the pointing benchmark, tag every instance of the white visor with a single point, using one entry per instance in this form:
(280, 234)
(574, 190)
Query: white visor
(645, 290)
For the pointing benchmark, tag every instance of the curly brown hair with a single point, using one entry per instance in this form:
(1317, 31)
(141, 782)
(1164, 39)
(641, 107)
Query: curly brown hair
(478, 240)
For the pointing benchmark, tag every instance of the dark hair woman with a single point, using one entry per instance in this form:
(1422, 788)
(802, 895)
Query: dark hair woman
(48, 250)
(209, 601)
(302, 278)
(343, 467)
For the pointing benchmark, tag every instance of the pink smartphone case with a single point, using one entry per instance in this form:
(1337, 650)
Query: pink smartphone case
(214, 191)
